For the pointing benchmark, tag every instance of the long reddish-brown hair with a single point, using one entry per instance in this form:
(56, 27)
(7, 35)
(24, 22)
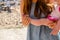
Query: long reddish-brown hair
(40, 4)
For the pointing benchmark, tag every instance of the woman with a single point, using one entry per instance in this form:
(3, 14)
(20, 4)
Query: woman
(37, 11)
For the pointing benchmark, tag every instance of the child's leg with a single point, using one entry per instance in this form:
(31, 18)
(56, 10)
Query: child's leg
(59, 34)
(56, 28)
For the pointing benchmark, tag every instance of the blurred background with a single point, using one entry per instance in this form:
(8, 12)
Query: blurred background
(11, 27)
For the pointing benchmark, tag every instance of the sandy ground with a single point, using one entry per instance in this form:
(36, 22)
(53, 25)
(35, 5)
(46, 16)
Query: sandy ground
(10, 25)
(13, 34)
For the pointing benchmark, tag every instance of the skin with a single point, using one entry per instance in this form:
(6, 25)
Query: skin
(57, 27)
(21, 6)
(51, 1)
(36, 22)
(58, 2)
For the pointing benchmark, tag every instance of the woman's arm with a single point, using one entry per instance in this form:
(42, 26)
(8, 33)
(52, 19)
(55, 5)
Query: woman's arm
(38, 22)
(56, 28)
(25, 18)
(21, 7)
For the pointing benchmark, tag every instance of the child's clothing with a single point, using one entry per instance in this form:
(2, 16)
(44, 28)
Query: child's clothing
(55, 15)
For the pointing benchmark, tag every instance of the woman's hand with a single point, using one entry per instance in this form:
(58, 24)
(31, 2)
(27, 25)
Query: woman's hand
(25, 20)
